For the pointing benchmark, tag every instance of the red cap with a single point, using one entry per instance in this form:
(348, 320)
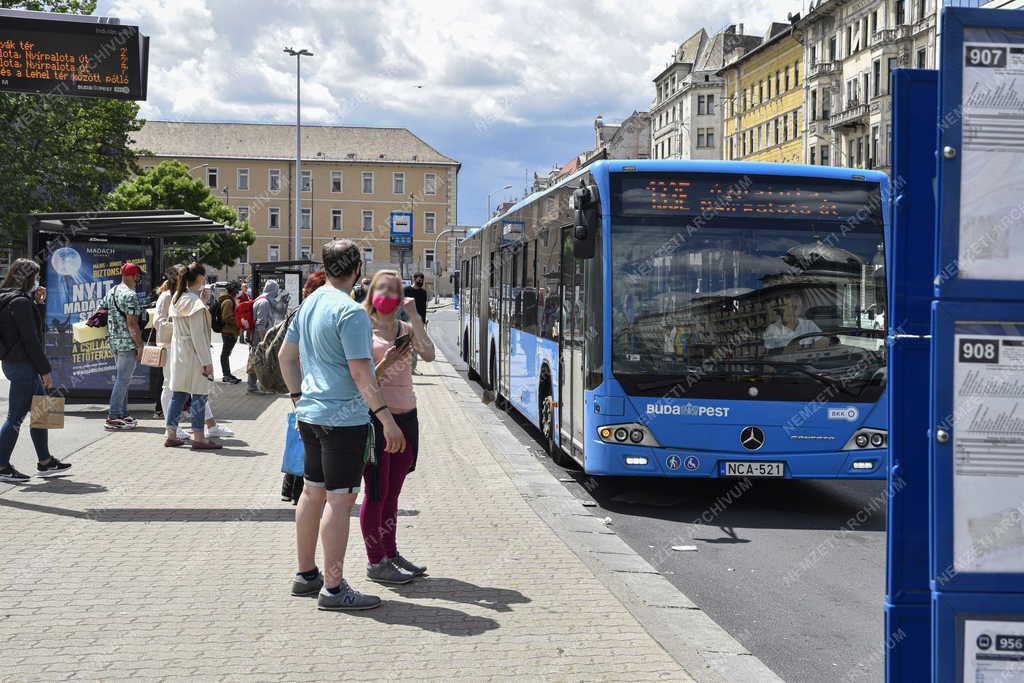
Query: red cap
(130, 270)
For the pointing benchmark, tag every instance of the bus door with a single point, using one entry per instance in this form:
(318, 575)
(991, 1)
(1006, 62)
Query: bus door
(572, 337)
(505, 331)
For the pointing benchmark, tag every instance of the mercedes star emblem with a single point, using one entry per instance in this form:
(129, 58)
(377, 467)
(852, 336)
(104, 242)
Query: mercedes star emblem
(752, 438)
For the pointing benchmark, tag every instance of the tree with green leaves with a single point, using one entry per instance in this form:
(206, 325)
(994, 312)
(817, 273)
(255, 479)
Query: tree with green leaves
(171, 186)
(60, 153)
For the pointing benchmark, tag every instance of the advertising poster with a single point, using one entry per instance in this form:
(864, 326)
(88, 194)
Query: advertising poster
(78, 276)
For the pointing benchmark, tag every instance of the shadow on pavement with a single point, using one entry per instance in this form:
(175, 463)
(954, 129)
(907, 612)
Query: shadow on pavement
(450, 622)
(456, 590)
(159, 514)
(731, 503)
(63, 485)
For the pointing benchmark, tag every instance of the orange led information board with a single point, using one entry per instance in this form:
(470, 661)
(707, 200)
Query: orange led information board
(72, 58)
(725, 195)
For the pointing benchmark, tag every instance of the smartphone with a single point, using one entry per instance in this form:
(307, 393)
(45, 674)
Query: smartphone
(402, 340)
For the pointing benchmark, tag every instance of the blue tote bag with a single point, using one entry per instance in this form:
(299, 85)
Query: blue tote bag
(294, 458)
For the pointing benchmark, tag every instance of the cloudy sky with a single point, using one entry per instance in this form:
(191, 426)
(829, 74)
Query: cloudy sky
(507, 87)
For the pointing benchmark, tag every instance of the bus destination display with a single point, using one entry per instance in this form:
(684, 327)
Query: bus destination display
(72, 58)
(779, 197)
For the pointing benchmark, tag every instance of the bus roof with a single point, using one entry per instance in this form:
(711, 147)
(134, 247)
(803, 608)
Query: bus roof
(602, 168)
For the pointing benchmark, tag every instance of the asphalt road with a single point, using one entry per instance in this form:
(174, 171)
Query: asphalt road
(795, 570)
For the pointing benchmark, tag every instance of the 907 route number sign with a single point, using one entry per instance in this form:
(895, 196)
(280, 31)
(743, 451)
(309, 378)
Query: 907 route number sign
(985, 56)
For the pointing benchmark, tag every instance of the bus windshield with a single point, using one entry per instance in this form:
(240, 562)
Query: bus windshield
(746, 304)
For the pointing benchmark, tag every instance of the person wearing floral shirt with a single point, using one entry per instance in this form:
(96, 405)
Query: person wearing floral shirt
(124, 336)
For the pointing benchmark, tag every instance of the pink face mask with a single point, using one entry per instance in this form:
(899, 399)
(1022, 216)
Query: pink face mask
(386, 304)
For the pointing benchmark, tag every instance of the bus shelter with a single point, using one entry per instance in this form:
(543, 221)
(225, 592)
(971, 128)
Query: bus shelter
(80, 255)
(289, 275)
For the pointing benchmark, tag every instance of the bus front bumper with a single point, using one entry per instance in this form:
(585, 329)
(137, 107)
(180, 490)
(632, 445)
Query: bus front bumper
(622, 460)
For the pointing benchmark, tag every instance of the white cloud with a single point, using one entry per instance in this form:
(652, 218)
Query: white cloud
(516, 62)
(491, 72)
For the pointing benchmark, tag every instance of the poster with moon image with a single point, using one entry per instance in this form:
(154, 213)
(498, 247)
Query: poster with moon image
(78, 275)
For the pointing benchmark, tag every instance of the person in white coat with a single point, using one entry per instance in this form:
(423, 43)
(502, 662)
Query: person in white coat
(162, 318)
(190, 361)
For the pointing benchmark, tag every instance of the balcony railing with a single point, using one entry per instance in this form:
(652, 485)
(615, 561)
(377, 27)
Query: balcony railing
(854, 114)
(824, 69)
(924, 24)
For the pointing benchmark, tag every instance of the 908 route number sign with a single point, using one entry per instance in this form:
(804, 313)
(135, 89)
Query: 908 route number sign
(72, 58)
(978, 351)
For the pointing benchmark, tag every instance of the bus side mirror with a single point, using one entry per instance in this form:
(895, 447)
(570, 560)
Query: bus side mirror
(588, 217)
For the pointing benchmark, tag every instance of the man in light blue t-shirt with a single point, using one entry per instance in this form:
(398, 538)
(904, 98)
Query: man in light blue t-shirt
(327, 363)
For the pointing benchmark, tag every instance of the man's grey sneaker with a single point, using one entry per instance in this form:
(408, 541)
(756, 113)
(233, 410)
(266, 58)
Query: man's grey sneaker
(386, 572)
(346, 599)
(53, 467)
(402, 563)
(9, 475)
(307, 589)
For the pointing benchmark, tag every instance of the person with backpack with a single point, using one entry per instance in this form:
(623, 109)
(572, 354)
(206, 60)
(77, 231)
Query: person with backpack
(124, 336)
(25, 365)
(260, 321)
(190, 362)
(224, 322)
(326, 362)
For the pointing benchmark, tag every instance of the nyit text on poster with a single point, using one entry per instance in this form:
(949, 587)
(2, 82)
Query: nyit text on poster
(78, 275)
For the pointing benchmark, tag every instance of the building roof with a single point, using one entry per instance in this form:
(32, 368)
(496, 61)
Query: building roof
(775, 32)
(277, 141)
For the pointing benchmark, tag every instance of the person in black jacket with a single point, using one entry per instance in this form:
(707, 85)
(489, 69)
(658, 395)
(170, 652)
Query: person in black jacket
(25, 365)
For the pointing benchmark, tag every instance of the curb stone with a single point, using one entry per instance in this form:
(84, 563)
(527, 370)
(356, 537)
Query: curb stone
(703, 648)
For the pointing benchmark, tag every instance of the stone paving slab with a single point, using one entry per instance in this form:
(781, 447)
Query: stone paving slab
(155, 564)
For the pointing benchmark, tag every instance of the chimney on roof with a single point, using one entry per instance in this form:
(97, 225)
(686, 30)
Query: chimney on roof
(739, 29)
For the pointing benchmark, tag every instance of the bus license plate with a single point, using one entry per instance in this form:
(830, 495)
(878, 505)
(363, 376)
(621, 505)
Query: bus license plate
(753, 469)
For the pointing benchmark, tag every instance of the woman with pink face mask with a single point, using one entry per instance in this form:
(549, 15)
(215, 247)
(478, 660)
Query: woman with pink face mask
(393, 340)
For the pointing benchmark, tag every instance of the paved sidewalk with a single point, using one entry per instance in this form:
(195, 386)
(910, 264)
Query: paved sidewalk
(156, 563)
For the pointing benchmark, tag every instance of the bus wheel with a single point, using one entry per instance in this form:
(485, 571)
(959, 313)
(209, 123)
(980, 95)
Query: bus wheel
(547, 426)
(492, 374)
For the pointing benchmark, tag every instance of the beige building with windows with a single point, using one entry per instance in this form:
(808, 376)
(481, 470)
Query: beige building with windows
(353, 180)
(851, 48)
(686, 117)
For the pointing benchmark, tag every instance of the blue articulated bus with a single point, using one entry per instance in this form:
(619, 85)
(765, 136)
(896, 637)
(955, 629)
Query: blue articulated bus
(687, 318)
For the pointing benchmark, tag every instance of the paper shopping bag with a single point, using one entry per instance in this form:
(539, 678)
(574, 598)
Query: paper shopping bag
(154, 356)
(47, 412)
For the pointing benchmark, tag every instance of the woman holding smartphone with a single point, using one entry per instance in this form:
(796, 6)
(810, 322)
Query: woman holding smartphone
(393, 341)
(190, 362)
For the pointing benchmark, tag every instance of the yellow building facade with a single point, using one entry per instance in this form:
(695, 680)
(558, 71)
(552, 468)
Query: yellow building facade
(764, 98)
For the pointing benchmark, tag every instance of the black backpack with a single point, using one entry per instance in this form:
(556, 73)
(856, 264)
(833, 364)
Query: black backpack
(216, 322)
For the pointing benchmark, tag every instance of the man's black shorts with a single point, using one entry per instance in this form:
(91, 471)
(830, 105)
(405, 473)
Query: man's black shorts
(334, 456)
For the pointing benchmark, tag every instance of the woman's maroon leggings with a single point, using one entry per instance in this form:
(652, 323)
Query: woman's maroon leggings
(379, 518)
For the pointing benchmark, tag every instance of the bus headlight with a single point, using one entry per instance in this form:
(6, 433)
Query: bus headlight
(867, 438)
(633, 433)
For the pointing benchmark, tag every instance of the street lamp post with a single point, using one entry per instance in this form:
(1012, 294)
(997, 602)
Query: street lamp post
(298, 54)
(491, 194)
(436, 266)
